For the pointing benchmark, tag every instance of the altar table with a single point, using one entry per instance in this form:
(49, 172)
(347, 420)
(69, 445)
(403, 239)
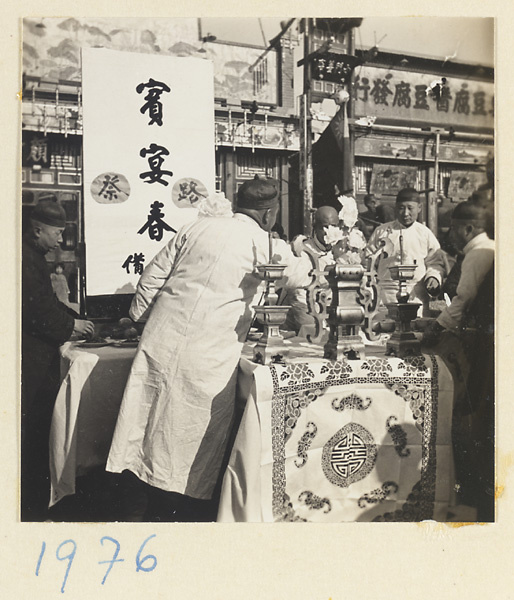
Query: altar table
(358, 440)
(318, 441)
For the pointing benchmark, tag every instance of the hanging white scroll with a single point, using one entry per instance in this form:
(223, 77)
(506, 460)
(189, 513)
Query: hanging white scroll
(148, 157)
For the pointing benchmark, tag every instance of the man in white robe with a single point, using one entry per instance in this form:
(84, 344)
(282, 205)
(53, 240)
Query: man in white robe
(198, 292)
(418, 245)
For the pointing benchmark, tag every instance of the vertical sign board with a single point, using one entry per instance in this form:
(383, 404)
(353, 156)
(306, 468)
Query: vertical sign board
(148, 157)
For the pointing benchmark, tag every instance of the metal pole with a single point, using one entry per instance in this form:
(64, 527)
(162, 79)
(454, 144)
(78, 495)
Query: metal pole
(306, 174)
(433, 196)
(351, 106)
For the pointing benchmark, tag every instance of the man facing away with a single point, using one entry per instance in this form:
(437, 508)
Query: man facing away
(370, 216)
(409, 242)
(472, 310)
(178, 406)
(46, 324)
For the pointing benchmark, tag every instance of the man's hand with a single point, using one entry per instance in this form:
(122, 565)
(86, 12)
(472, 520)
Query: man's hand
(432, 286)
(431, 334)
(84, 328)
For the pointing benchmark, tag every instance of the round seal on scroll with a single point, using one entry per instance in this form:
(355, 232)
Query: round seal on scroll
(187, 192)
(110, 188)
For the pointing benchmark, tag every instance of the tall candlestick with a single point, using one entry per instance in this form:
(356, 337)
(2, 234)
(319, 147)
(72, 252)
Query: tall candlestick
(270, 239)
(401, 248)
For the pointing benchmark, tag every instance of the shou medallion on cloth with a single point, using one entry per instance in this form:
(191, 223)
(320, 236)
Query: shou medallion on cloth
(356, 440)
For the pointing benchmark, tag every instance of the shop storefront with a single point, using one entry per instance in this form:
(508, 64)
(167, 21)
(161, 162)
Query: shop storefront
(422, 124)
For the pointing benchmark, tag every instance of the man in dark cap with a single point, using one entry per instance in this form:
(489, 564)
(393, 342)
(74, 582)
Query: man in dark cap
(408, 242)
(178, 406)
(46, 324)
(471, 317)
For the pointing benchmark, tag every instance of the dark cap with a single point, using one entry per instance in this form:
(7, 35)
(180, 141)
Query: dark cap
(482, 198)
(258, 194)
(468, 212)
(49, 213)
(408, 195)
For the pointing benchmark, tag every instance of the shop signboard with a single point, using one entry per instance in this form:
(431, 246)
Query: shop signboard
(148, 158)
(416, 149)
(464, 183)
(388, 180)
(413, 97)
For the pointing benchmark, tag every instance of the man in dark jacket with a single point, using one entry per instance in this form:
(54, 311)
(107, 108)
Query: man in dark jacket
(370, 216)
(46, 324)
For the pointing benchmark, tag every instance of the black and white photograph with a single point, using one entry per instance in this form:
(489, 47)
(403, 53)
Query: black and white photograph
(258, 261)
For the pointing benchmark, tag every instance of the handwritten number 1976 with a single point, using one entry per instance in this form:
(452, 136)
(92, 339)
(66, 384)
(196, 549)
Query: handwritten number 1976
(146, 563)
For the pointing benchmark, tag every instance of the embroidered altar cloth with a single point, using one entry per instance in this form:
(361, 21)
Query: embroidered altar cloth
(333, 441)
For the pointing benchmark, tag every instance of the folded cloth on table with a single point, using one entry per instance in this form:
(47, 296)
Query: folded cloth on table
(63, 442)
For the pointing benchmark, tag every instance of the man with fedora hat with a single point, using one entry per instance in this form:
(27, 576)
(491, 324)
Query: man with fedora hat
(178, 407)
(46, 324)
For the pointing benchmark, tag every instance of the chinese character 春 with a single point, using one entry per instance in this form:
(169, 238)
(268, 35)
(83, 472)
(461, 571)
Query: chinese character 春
(402, 95)
(153, 104)
(155, 164)
(155, 224)
(137, 261)
(461, 105)
(381, 90)
(420, 95)
(109, 188)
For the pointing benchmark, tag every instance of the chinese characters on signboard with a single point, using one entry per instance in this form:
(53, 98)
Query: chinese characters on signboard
(153, 103)
(419, 96)
(110, 188)
(143, 159)
(154, 224)
(390, 179)
(336, 68)
(155, 161)
(137, 261)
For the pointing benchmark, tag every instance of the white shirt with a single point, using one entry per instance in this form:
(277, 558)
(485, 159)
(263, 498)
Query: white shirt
(478, 259)
(420, 246)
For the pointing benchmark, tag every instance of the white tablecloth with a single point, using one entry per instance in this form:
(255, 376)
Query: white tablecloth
(85, 413)
(264, 481)
(346, 441)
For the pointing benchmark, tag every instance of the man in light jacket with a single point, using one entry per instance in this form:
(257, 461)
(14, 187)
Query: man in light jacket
(198, 292)
(471, 313)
